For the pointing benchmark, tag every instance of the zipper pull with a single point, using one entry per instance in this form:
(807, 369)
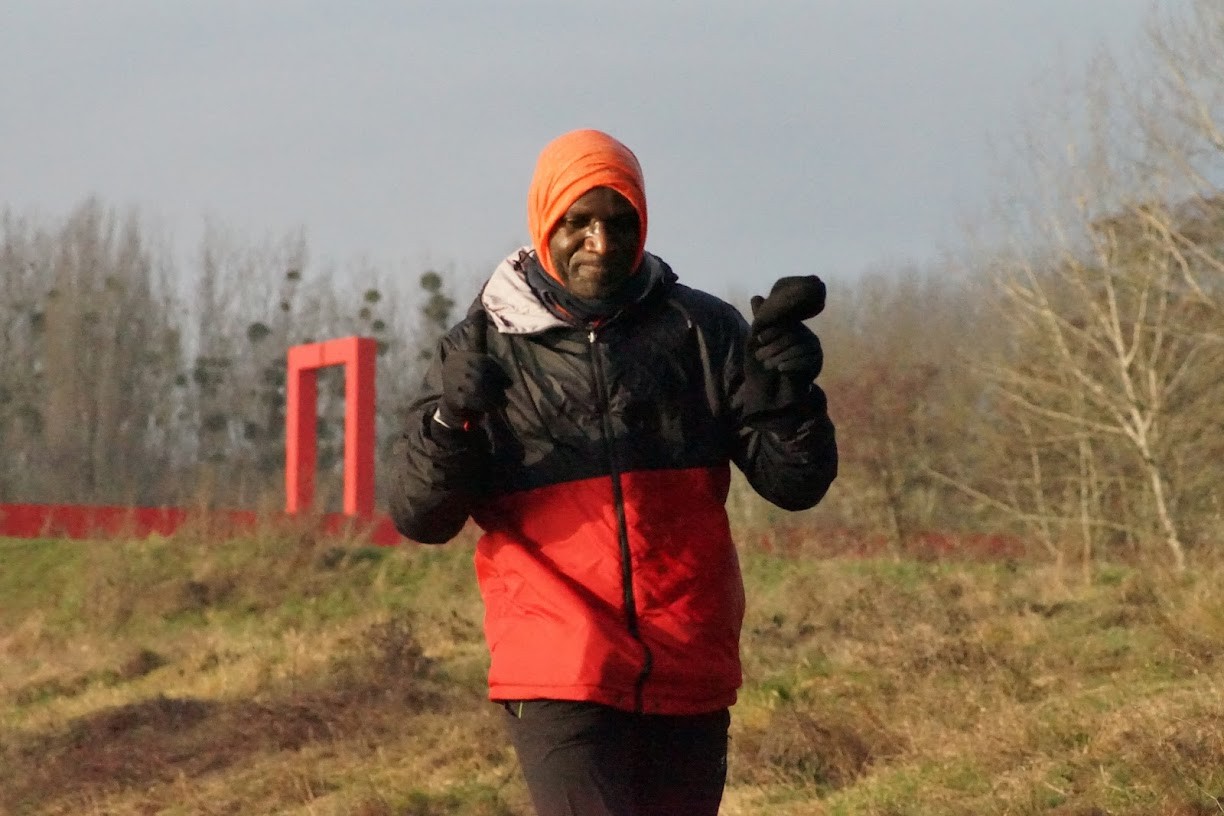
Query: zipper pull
(591, 337)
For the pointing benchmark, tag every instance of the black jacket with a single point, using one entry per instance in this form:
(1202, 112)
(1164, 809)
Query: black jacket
(601, 490)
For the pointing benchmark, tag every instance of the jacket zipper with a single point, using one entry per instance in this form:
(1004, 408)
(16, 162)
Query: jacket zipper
(618, 499)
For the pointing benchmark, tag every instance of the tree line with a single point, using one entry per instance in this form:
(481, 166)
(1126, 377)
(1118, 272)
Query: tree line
(1059, 379)
(127, 378)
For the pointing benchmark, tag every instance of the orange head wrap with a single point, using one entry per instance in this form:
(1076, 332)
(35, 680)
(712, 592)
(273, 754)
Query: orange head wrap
(569, 167)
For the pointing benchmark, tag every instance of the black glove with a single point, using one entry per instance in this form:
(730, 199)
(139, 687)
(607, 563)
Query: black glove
(779, 340)
(792, 299)
(792, 350)
(786, 355)
(473, 383)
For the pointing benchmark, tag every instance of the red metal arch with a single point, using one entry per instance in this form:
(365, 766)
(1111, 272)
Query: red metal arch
(358, 356)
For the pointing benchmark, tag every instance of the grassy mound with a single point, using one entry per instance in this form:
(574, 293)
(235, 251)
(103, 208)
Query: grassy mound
(286, 674)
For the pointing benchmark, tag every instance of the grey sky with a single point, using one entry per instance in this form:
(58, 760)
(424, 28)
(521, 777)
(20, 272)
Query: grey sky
(777, 137)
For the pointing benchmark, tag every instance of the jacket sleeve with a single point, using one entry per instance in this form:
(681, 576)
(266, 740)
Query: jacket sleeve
(435, 471)
(789, 456)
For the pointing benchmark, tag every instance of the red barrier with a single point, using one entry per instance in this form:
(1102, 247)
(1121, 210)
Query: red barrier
(102, 522)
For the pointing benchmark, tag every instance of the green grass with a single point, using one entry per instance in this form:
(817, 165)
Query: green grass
(35, 575)
(286, 674)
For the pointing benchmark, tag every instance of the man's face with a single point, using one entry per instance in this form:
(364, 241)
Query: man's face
(594, 243)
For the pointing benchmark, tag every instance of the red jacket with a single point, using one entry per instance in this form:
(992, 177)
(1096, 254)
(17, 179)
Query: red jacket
(607, 566)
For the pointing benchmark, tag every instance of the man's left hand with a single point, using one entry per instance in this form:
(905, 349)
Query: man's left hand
(789, 348)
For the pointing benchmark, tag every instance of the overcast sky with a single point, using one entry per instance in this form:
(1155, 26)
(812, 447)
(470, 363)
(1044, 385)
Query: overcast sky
(777, 136)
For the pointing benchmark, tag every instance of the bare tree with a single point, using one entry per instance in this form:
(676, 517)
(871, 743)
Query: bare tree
(91, 359)
(1114, 375)
(22, 323)
(902, 394)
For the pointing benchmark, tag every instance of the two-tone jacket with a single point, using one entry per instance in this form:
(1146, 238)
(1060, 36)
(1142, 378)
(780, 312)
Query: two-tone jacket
(606, 564)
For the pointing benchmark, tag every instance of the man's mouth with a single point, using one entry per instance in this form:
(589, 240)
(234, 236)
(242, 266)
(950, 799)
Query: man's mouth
(600, 268)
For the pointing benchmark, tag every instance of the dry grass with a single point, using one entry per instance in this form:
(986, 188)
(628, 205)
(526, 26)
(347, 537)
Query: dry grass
(289, 675)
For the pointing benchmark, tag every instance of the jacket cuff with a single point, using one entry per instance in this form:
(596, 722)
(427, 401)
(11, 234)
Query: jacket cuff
(788, 417)
(446, 435)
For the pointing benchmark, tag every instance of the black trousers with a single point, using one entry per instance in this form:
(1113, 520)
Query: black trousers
(586, 759)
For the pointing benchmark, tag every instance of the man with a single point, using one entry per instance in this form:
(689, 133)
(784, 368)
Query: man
(585, 414)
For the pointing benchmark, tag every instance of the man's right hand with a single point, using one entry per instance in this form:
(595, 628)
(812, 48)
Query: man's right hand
(473, 384)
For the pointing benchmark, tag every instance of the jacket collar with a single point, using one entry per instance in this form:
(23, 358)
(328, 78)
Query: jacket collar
(514, 308)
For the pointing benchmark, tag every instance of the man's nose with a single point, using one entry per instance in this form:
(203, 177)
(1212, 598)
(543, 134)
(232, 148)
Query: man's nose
(597, 238)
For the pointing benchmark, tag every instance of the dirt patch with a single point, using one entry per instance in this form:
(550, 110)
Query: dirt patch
(161, 739)
(139, 664)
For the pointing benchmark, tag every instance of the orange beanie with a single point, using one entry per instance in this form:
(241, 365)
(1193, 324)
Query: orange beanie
(569, 167)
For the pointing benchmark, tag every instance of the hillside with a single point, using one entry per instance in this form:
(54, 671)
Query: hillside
(285, 674)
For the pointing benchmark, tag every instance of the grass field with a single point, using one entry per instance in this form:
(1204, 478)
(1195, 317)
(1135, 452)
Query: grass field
(281, 674)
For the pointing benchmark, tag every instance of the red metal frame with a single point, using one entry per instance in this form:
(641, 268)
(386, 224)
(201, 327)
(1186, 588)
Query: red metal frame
(358, 356)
